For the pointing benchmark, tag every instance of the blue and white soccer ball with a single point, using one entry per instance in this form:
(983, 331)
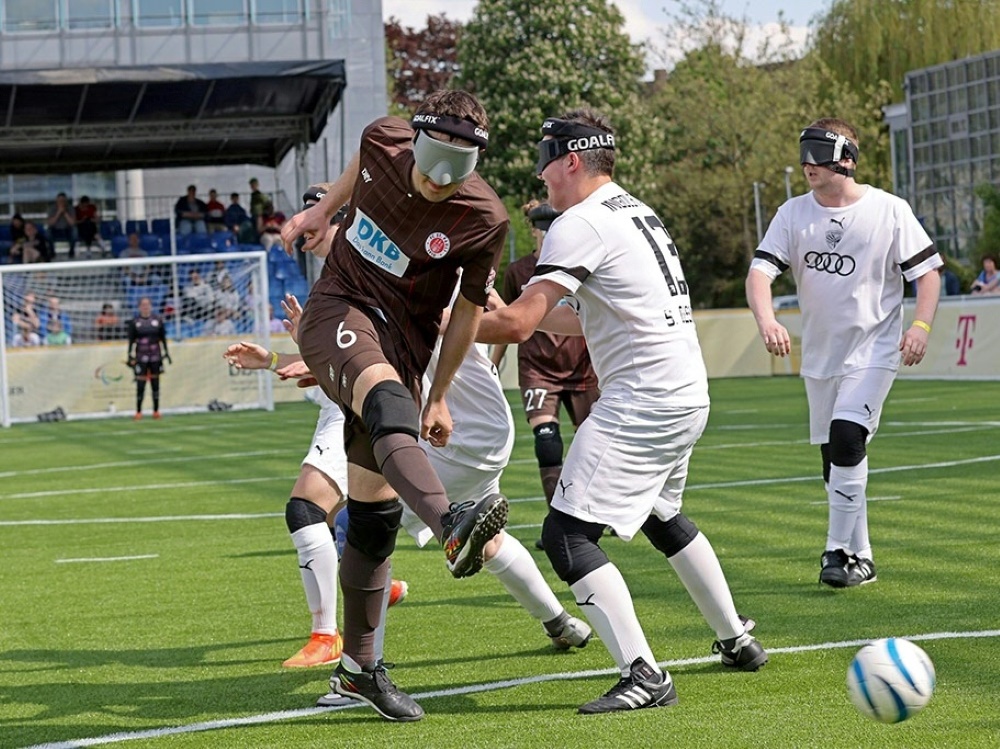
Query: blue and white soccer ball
(890, 680)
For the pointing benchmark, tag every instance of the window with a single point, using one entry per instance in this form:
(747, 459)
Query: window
(30, 15)
(89, 14)
(277, 11)
(218, 12)
(159, 12)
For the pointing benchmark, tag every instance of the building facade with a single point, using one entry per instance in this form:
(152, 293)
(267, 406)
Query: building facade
(61, 34)
(945, 143)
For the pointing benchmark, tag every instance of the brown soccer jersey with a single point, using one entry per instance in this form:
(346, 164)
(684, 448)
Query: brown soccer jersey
(401, 254)
(555, 362)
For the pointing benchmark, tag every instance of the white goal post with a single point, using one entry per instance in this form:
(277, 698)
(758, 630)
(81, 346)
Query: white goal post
(71, 359)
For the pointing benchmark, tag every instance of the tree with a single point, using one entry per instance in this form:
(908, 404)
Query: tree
(420, 61)
(527, 61)
(867, 41)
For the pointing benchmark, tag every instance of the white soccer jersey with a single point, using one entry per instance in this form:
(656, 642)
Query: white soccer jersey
(849, 264)
(483, 435)
(614, 256)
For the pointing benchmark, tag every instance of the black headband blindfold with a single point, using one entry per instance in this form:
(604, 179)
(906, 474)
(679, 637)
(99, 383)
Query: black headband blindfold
(823, 147)
(569, 137)
(455, 126)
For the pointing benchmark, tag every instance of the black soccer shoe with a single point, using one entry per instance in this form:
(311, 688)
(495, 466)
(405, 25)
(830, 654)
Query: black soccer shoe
(643, 687)
(862, 572)
(835, 570)
(467, 530)
(374, 687)
(743, 652)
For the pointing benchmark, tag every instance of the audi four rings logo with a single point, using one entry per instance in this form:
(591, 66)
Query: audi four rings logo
(830, 262)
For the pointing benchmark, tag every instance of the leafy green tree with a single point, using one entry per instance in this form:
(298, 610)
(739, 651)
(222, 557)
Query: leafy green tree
(527, 60)
(419, 61)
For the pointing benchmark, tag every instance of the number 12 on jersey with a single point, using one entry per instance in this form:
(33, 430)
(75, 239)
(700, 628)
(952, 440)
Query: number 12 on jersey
(665, 251)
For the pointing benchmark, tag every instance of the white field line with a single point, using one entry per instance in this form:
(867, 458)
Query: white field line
(253, 720)
(159, 519)
(870, 499)
(142, 487)
(107, 559)
(160, 461)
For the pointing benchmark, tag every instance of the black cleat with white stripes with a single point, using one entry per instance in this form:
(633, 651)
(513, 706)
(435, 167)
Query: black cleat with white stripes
(643, 687)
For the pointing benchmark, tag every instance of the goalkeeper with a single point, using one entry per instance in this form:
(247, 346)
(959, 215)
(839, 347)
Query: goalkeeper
(147, 350)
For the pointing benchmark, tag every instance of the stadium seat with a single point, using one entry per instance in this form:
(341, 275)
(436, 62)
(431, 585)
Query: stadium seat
(161, 226)
(118, 245)
(221, 240)
(152, 244)
(136, 226)
(110, 228)
(5, 233)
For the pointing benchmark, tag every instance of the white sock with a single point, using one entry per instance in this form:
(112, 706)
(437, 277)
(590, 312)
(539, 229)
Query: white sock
(605, 599)
(516, 570)
(846, 496)
(318, 567)
(699, 570)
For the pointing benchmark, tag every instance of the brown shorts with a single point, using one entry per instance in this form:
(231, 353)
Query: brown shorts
(544, 401)
(339, 341)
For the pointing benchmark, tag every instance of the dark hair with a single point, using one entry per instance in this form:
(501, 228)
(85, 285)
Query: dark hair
(598, 160)
(459, 104)
(990, 257)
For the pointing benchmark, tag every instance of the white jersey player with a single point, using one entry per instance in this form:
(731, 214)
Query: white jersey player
(628, 463)
(849, 247)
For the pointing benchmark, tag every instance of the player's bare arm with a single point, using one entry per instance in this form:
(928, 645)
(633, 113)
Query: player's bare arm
(435, 423)
(914, 344)
(314, 222)
(516, 323)
(775, 336)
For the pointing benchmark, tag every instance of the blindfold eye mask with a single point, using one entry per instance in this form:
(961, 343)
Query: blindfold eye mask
(441, 161)
(569, 137)
(826, 148)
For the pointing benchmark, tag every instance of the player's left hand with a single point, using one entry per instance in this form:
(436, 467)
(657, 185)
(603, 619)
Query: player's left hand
(293, 314)
(168, 360)
(435, 423)
(246, 355)
(914, 345)
(294, 371)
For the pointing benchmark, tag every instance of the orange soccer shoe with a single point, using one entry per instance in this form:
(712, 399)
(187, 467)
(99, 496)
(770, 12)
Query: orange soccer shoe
(156, 414)
(398, 591)
(321, 650)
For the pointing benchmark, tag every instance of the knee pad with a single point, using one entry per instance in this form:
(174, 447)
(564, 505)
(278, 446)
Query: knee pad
(571, 546)
(670, 536)
(548, 445)
(372, 526)
(389, 409)
(824, 451)
(340, 531)
(301, 512)
(847, 443)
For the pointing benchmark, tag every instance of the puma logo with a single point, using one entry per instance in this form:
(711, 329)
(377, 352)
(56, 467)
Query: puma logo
(319, 449)
(870, 412)
(838, 223)
(587, 602)
(848, 497)
(307, 566)
(564, 487)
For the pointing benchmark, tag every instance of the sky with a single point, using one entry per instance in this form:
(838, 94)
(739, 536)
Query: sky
(643, 18)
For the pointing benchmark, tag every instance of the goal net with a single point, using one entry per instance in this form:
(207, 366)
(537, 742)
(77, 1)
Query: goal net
(64, 340)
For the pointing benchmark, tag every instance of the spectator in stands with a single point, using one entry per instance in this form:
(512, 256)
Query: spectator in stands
(17, 228)
(227, 298)
(107, 324)
(199, 298)
(238, 221)
(62, 222)
(134, 247)
(35, 248)
(223, 325)
(269, 225)
(190, 212)
(257, 200)
(56, 336)
(215, 214)
(54, 311)
(988, 280)
(274, 324)
(220, 272)
(88, 218)
(27, 323)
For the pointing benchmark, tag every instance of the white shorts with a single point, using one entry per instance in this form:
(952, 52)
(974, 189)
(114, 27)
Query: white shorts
(857, 396)
(626, 463)
(326, 453)
(462, 482)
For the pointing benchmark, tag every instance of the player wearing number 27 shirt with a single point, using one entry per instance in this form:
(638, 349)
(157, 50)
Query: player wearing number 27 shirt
(628, 463)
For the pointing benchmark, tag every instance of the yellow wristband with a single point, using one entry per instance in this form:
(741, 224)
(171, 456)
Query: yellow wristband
(922, 325)
(274, 361)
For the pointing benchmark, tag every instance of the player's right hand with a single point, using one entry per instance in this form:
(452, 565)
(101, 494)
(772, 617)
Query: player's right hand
(246, 355)
(776, 338)
(131, 362)
(312, 223)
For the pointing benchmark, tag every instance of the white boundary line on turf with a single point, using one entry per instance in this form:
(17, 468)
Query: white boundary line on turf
(142, 487)
(107, 559)
(160, 461)
(156, 519)
(252, 720)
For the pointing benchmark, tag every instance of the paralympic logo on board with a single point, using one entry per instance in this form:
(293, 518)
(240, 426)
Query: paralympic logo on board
(101, 373)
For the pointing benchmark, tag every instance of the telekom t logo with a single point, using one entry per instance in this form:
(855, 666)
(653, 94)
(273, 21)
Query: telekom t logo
(966, 328)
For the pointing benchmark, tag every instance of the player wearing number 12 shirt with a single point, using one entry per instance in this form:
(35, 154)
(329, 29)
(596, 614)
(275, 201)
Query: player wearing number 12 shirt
(628, 462)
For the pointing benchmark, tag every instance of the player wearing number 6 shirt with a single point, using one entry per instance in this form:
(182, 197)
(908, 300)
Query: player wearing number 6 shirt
(849, 247)
(628, 462)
